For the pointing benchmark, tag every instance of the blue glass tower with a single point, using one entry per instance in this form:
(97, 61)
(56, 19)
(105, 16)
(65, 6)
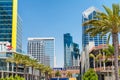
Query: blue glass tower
(67, 50)
(10, 24)
(76, 54)
(89, 14)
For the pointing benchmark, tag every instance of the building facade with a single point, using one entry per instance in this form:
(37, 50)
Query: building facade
(94, 57)
(10, 24)
(84, 60)
(71, 52)
(89, 14)
(76, 55)
(8, 69)
(42, 49)
(68, 41)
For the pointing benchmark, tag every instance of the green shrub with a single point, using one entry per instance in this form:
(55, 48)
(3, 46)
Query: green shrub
(13, 78)
(90, 75)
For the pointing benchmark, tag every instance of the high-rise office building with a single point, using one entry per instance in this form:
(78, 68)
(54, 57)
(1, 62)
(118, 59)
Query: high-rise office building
(89, 14)
(42, 49)
(68, 41)
(10, 24)
(71, 52)
(76, 54)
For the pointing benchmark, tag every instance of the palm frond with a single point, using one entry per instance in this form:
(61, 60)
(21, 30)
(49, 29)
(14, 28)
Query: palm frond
(11, 60)
(92, 56)
(108, 39)
(90, 22)
(98, 56)
(104, 32)
(115, 9)
(111, 49)
(108, 10)
(100, 15)
(90, 30)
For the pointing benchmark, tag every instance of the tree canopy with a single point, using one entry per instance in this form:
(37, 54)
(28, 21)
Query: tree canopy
(90, 75)
(108, 22)
(13, 78)
(57, 74)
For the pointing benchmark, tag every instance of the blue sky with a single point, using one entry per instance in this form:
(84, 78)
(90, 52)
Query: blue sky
(53, 18)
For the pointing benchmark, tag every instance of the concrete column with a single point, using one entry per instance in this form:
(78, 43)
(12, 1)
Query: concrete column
(12, 68)
(2, 74)
(100, 76)
(7, 66)
(104, 59)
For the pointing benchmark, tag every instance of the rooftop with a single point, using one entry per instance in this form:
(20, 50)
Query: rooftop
(88, 11)
(43, 38)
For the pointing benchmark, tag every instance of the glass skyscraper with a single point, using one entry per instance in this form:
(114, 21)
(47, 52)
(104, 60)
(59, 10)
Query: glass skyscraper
(10, 24)
(68, 41)
(76, 54)
(71, 52)
(89, 14)
(43, 49)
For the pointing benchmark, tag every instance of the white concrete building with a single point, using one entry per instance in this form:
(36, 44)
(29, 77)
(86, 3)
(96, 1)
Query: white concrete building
(85, 58)
(43, 49)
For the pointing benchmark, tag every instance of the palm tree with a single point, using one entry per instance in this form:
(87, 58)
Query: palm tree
(57, 74)
(104, 23)
(96, 58)
(17, 59)
(109, 52)
(41, 68)
(33, 63)
(69, 74)
(47, 72)
(25, 62)
(93, 56)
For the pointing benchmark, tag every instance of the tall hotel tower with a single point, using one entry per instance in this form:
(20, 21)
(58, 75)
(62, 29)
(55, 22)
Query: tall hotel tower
(10, 24)
(89, 14)
(42, 49)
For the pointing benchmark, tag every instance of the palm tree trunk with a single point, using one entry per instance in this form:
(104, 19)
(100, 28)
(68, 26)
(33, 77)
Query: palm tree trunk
(100, 64)
(112, 68)
(24, 72)
(112, 63)
(116, 49)
(46, 76)
(104, 60)
(40, 74)
(32, 73)
(16, 68)
(104, 65)
(94, 64)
